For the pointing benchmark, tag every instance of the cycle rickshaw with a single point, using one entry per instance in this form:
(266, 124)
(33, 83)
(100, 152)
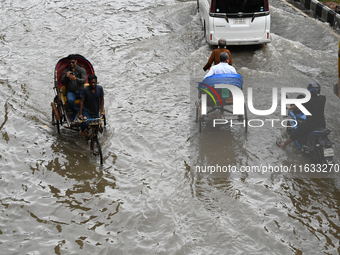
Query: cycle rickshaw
(61, 112)
(219, 101)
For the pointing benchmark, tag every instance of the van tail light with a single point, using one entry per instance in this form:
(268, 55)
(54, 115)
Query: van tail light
(212, 6)
(266, 5)
(210, 37)
(267, 35)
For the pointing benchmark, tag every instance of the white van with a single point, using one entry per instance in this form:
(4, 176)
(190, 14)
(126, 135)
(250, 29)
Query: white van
(240, 22)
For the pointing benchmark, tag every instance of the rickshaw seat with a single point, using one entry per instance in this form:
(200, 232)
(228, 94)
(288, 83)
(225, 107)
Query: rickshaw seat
(63, 94)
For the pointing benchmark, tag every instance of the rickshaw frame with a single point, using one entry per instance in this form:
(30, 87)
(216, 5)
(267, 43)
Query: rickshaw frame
(61, 114)
(220, 109)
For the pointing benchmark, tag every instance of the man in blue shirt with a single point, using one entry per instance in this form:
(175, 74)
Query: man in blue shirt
(91, 102)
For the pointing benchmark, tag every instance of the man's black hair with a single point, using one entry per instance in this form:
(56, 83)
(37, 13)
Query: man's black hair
(91, 77)
(72, 57)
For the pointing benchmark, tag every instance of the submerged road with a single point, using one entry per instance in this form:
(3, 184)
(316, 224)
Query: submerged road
(147, 198)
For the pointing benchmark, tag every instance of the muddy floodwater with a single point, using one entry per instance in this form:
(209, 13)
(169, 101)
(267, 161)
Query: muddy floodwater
(148, 197)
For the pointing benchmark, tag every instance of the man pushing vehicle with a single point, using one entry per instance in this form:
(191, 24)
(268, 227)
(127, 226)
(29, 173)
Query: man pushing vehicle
(316, 106)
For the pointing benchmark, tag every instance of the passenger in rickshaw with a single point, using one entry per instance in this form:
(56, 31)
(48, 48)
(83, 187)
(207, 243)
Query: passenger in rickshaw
(74, 77)
(91, 102)
(222, 67)
(215, 55)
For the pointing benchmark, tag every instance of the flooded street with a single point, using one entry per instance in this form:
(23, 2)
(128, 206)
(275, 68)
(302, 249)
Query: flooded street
(147, 198)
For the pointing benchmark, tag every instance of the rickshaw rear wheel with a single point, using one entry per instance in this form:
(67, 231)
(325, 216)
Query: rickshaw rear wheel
(199, 118)
(56, 122)
(200, 125)
(196, 114)
(246, 118)
(96, 149)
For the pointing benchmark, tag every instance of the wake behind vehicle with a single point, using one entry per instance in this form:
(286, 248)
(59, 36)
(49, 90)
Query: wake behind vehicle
(317, 144)
(218, 102)
(239, 22)
(61, 113)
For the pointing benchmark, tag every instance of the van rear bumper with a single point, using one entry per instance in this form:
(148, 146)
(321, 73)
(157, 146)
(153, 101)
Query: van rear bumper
(244, 42)
(262, 40)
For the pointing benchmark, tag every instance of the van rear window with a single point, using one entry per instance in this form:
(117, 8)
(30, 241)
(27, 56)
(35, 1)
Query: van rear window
(235, 6)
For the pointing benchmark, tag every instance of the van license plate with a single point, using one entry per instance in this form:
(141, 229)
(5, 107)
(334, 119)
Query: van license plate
(239, 21)
(327, 152)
